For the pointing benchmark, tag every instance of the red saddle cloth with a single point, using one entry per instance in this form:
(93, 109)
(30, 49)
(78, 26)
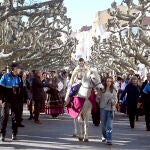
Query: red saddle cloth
(77, 104)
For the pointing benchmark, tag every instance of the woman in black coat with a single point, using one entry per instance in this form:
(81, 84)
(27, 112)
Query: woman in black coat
(133, 91)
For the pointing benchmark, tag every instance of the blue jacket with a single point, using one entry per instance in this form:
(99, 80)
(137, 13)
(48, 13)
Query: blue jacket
(146, 89)
(9, 87)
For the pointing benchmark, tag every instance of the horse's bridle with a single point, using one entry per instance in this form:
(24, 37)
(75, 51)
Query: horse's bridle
(94, 85)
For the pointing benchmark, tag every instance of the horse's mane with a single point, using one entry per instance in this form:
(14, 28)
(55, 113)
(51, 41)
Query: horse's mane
(93, 71)
(90, 71)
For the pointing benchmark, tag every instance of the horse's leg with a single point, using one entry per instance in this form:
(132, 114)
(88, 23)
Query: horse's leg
(75, 128)
(87, 113)
(80, 128)
(86, 125)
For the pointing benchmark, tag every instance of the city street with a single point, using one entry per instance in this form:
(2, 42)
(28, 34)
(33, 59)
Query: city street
(57, 135)
(70, 53)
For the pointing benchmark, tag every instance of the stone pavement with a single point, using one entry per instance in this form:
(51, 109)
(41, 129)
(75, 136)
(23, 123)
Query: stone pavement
(57, 135)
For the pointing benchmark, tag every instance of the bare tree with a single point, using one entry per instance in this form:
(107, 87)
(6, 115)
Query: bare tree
(129, 43)
(35, 34)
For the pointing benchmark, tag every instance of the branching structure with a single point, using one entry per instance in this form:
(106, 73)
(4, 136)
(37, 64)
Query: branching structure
(127, 44)
(36, 34)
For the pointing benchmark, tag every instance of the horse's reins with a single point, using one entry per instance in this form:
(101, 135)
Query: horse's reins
(95, 85)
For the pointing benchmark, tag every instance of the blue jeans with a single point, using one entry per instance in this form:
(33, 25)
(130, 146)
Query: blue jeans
(107, 123)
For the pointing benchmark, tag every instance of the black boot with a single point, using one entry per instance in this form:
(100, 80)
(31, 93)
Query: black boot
(14, 137)
(3, 137)
(132, 124)
(20, 125)
(30, 118)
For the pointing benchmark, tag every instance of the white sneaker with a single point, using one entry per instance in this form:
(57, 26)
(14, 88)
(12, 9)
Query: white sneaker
(103, 140)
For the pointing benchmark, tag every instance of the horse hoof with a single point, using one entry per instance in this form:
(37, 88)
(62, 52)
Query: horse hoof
(80, 139)
(86, 140)
(74, 135)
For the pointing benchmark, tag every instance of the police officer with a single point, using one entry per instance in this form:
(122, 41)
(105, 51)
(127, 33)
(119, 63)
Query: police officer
(9, 89)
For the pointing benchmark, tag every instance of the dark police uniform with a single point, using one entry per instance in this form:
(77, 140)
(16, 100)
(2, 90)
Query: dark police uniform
(9, 90)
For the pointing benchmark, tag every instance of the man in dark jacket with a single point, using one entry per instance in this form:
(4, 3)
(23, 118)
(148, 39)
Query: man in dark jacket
(9, 90)
(38, 94)
(23, 95)
(146, 101)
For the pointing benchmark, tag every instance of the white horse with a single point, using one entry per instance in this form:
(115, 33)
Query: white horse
(89, 81)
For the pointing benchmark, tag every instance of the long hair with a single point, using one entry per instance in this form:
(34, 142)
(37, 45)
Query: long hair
(111, 86)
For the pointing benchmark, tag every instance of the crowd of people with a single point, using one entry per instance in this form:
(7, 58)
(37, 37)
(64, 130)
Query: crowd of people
(49, 93)
(40, 91)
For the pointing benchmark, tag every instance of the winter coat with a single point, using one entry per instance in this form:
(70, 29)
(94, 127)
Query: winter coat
(132, 98)
(37, 89)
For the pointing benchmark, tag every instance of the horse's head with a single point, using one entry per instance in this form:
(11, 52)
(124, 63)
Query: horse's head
(95, 79)
(90, 80)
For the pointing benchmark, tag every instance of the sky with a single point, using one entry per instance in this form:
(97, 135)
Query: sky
(82, 12)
